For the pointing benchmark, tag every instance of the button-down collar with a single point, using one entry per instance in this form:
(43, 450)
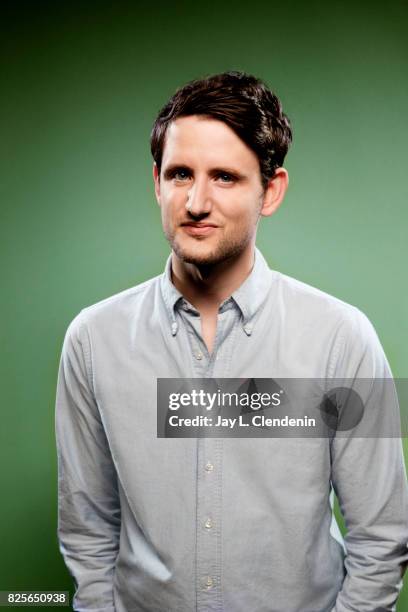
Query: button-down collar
(249, 297)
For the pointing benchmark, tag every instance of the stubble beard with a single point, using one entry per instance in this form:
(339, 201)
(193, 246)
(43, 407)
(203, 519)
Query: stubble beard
(226, 248)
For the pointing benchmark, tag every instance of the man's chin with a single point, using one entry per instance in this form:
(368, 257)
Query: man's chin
(203, 255)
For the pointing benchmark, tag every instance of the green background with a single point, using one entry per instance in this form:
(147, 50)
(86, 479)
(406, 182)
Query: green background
(82, 83)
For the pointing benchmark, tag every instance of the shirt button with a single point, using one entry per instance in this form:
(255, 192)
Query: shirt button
(209, 467)
(199, 355)
(208, 523)
(208, 582)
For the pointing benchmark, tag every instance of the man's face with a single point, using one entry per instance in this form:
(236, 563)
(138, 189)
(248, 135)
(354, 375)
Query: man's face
(209, 191)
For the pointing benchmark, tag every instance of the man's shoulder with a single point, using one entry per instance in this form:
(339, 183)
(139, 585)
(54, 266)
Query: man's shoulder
(119, 306)
(321, 321)
(314, 306)
(299, 292)
(123, 298)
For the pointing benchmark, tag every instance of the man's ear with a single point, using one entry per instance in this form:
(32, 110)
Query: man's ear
(275, 192)
(156, 178)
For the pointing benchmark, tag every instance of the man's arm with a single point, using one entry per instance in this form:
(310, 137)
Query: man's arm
(88, 504)
(368, 475)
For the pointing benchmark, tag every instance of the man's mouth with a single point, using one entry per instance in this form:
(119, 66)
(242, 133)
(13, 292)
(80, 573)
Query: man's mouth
(198, 229)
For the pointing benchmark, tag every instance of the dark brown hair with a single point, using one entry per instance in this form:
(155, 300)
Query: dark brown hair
(241, 101)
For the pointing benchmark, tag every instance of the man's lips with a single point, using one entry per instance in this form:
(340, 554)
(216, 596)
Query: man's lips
(198, 229)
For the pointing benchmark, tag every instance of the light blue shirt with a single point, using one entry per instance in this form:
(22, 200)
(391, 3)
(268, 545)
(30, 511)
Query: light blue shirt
(152, 524)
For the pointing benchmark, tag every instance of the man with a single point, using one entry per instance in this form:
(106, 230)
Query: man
(235, 525)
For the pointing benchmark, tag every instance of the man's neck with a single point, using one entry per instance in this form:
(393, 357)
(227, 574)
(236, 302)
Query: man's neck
(206, 287)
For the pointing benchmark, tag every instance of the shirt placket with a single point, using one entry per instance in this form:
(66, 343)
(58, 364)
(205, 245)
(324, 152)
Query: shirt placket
(209, 464)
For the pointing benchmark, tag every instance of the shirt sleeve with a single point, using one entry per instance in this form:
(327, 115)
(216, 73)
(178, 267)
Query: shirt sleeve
(368, 476)
(88, 502)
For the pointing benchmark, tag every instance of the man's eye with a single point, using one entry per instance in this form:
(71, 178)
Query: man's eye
(225, 177)
(181, 175)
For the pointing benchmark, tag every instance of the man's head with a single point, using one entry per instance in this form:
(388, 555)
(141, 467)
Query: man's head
(218, 147)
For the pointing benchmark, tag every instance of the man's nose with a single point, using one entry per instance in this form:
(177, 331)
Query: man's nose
(199, 200)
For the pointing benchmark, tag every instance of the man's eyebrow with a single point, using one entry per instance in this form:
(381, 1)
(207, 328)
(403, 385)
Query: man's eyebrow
(228, 170)
(168, 170)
